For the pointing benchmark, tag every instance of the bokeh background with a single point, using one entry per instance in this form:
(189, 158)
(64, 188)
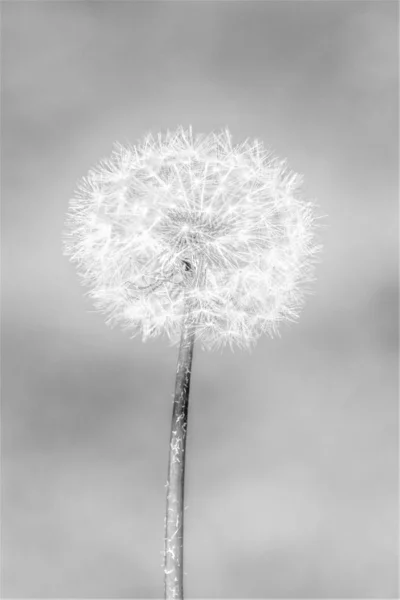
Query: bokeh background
(292, 459)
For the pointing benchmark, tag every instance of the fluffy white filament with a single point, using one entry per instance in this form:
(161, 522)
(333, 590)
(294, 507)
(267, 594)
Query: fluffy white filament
(182, 215)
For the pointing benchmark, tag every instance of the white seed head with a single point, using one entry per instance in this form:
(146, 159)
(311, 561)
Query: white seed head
(181, 217)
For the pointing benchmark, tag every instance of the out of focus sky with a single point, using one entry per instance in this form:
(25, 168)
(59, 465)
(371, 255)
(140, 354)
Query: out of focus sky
(292, 456)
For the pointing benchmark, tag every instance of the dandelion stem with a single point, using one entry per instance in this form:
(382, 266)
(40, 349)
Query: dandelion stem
(173, 554)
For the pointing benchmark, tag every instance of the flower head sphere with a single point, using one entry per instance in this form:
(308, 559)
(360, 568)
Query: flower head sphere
(180, 219)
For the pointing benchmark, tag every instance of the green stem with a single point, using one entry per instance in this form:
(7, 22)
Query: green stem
(173, 553)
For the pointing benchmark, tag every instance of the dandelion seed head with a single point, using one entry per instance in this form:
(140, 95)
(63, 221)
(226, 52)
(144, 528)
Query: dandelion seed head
(180, 217)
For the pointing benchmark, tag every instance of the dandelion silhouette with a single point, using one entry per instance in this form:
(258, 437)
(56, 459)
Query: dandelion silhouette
(198, 239)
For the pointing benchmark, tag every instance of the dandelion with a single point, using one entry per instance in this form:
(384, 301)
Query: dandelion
(200, 240)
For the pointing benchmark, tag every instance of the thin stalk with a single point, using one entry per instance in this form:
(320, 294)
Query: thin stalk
(173, 552)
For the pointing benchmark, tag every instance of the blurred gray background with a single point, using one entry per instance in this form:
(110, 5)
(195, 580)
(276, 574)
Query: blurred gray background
(292, 458)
